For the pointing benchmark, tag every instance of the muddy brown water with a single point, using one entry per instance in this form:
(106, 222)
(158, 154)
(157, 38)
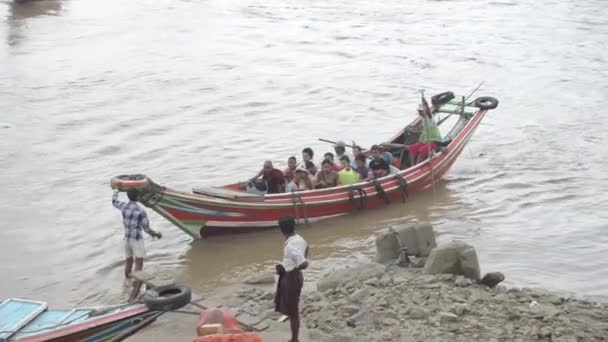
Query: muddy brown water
(201, 92)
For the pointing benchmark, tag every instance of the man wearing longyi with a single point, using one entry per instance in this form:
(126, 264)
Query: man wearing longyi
(289, 287)
(135, 221)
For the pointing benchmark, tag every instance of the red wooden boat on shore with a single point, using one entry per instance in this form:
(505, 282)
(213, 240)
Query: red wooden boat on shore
(230, 209)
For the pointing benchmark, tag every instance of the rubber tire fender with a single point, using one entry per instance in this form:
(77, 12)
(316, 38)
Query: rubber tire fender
(167, 297)
(442, 98)
(126, 182)
(486, 102)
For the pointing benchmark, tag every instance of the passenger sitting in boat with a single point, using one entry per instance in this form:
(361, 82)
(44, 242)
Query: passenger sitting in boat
(326, 178)
(356, 150)
(427, 141)
(292, 165)
(378, 165)
(330, 157)
(311, 168)
(361, 167)
(340, 149)
(304, 180)
(347, 175)
(271, 176)
(291, 183)
(307, 156)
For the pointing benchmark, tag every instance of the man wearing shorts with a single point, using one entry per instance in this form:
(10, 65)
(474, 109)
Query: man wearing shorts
(135, 221)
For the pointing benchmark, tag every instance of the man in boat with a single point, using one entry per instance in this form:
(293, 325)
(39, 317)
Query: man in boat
(429, 136)
(274, 178)
(347, 176)
(378, 166)
(135, 221)
(292, 165)
(289, 286)
(340, 149)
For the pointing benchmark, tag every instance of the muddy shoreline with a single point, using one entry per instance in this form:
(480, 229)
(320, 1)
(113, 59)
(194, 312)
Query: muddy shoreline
(393, 301)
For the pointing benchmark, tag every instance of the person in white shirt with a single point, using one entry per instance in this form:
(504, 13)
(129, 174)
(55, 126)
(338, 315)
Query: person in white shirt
(289, 286)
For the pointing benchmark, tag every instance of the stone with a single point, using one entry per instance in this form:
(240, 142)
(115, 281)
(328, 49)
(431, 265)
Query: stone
(349, 309)
(342, 337)
(447, 317)
(265, 278)
(492, 279)
(417, 262)
(417, 312)
(358, 274)
(566, 338)
(462, 281)
(469, 263)
(456, 258)
(418, 238)
(543, 311)
(267, 296)
(544, 332)
(459, 309)
(359, 295)
(387, 246)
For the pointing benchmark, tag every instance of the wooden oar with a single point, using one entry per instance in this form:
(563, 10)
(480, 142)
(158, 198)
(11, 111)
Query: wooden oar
(333, 142)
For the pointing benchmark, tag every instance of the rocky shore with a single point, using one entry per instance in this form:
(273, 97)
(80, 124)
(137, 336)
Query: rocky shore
(418, 292)
(439, 298)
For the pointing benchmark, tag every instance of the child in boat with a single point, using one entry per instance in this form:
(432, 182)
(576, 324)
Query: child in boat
(361, 167)
(326, 178)
(347, 175)
(292, 165)
(291, 183)
(330, 157)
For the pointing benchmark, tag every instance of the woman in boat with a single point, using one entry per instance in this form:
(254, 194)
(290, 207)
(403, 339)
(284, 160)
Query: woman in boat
(327, 178)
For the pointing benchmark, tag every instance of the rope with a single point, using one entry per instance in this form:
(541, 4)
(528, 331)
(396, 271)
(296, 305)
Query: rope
(298, 199)
(380, 191)
(362, 197)
(403, 187)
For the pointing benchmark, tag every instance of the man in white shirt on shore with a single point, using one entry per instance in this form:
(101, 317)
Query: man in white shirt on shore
(289, 288)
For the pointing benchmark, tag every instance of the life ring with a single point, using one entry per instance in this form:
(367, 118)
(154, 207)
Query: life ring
(443, 98)
(126, 182)
(167, 297)
(486, 102)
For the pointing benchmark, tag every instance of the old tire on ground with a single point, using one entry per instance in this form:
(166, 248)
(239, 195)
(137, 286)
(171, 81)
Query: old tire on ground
(443, 98)
(486, 102)
(167, 297)
(126, 182)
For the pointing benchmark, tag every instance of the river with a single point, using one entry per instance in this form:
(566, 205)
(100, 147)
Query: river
(201, 92)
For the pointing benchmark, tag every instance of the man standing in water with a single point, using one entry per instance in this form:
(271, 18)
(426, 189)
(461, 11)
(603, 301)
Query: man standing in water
(135, 221)
(289, 288)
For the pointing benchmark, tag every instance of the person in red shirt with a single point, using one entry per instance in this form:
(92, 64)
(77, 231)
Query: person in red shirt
(274, 178)
(330, 157)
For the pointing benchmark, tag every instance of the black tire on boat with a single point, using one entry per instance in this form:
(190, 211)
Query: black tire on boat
(443, 98)
(167, 297)
(486, 102)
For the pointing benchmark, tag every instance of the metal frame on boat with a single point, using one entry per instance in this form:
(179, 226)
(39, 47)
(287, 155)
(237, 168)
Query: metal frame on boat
(229, 209)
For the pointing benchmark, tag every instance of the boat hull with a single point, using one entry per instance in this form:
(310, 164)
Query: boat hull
(201, 215)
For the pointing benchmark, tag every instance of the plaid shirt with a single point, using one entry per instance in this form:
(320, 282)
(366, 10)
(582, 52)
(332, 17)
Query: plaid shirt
(134, 218)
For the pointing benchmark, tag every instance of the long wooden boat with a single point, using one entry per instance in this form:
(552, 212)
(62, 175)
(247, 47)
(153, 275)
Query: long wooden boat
(24, 320)
(228, 209)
